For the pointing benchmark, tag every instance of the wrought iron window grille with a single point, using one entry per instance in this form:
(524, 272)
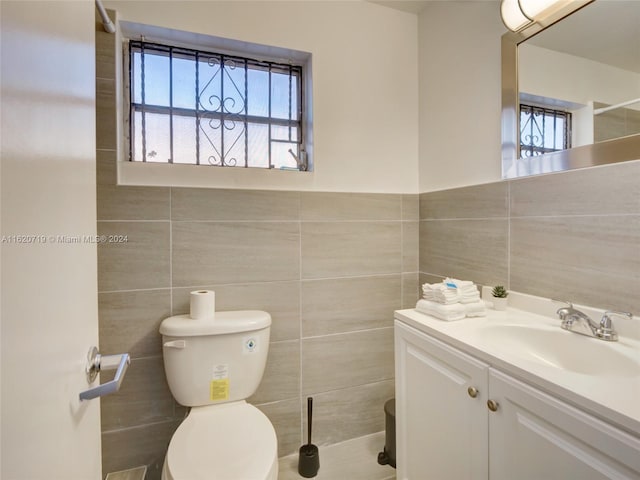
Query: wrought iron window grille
(204, 108)
(543, 130)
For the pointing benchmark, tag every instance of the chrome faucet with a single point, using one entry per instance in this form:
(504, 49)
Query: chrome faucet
(576, 321)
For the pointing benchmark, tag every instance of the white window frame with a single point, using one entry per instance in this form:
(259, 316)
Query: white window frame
(167, 174)
(545, 111)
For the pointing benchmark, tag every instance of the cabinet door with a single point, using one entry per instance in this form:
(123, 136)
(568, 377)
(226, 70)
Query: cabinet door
(441, 430)
(534, 436)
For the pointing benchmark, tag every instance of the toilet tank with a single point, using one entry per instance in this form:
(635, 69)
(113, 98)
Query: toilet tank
(215, 360)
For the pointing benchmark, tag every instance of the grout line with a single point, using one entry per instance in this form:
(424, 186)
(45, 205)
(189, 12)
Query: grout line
(135, 221)
(349, 332)
(133, 290)
(356, 385)
(294, 221)
(300, 372)
(170, 252)
(569, 215)
(525, 217)
(508, 279)
(402, 245)
(355, 439)
(461, 218)
(142, 425)
(238, 221)
(274, 282)
(202, 285)
(272, 402)
(175, 403)
(346, 277)
(287, 340)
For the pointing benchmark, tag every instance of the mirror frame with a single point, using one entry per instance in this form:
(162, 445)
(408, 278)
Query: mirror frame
(611, 151)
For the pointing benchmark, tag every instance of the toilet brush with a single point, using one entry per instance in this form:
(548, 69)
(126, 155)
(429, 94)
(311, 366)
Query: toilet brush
(309, 460)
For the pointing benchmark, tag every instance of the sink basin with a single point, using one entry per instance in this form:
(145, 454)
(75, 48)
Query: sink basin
(563, 350)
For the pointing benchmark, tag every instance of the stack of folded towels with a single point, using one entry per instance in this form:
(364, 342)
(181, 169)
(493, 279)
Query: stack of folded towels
(451, 299)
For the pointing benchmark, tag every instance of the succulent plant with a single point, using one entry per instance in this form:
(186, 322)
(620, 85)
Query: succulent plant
(499, 292)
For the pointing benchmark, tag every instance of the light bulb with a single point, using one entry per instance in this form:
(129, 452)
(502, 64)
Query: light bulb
(512, 16)
(533, 8)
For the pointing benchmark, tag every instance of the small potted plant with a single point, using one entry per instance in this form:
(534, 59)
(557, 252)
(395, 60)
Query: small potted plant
(499, 297)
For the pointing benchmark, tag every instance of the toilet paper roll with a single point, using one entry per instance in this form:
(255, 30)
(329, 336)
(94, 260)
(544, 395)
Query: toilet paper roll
(203, 304)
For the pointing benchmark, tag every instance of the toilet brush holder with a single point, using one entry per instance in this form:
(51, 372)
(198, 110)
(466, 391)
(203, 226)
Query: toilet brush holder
(309, 458)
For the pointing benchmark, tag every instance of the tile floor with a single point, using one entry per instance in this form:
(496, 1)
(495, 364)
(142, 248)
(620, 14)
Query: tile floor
(137, 473)
(355, 459)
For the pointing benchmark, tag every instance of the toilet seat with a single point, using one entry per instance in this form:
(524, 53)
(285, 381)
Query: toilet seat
(232, 441)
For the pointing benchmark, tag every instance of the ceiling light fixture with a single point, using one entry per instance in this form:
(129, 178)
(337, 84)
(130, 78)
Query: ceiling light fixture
(512, 15)
(519, 14)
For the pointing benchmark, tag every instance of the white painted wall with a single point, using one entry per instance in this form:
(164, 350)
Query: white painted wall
(49, 288)
(365, 85)
(460, 94)
(573, 79)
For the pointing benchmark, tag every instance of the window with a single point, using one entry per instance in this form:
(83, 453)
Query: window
(543, 130)
(204, 108)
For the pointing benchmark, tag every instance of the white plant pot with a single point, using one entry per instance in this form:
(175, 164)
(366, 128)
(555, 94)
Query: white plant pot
(500, 303)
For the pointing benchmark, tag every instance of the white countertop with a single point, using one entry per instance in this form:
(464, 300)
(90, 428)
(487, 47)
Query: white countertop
(613, 398)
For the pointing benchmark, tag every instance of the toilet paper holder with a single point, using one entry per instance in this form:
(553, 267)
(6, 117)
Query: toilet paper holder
(96, 363)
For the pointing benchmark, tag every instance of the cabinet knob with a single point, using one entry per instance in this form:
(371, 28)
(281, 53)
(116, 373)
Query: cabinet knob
(493, 405)
(472, 391)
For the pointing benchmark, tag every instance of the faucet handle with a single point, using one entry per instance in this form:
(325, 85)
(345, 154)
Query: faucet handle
(606, 331)
(606, 322)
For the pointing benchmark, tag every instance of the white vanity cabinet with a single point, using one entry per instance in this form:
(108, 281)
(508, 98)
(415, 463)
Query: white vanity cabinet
(535, 436)
(445, 429)
(441, 414)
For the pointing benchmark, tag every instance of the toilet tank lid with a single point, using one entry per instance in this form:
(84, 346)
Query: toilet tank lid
(222, 323)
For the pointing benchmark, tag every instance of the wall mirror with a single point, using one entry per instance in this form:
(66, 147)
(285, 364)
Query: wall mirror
(583, 60)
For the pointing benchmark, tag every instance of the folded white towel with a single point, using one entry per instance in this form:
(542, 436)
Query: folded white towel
(472, 292)
(465, 286)
(470, 300)
(470, 297)
(440, 311)
(440, 293)
(458, 283)
(467, 290)
(475, 309)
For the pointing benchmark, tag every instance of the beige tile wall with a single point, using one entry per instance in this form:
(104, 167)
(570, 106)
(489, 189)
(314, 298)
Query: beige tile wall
(330, 268)
(330, 286)
(616, 123)
(572, 235)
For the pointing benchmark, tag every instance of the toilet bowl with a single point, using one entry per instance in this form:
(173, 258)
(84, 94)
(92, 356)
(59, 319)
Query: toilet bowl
(212, 365)
(233, 441)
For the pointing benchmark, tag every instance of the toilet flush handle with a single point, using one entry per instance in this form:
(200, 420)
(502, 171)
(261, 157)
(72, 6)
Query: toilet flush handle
(97, 363)
(175, 344)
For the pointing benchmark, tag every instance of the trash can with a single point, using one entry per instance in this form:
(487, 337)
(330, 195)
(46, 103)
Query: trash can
(388, 455)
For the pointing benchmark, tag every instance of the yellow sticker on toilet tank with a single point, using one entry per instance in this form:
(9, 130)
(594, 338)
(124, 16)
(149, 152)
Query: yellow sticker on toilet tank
(219, 389)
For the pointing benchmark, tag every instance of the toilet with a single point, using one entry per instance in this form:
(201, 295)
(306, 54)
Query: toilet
(212, 366)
